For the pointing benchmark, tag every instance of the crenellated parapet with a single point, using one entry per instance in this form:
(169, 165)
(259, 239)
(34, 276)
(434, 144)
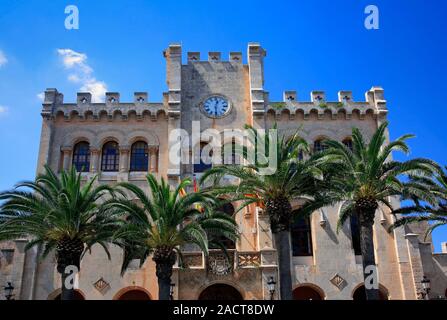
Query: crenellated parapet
(112, 108)
(374, 104)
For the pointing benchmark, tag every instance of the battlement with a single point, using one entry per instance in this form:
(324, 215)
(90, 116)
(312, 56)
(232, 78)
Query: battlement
(171, 106)
(174, 54)
(214, 56)
(54, 106)
(374, 103)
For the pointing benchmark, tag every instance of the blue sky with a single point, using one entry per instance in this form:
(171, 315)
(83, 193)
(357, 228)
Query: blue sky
(311, 45)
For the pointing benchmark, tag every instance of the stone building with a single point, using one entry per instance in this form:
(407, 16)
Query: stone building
(122, 141)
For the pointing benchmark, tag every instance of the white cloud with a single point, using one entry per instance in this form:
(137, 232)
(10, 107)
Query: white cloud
(98, 89)
(3, 110)
(3, 59)
(41, 96)
(82, 73)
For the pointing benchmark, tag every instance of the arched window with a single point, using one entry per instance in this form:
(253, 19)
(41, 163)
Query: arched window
(301, 237)
(81, 157)
(110, 157)
(355, 234)
(139, 156)
(348, 143)
(228, 209)
(319, 145)
(199, 164)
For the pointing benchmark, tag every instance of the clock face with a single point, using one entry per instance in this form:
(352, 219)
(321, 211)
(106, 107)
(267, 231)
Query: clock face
(216, 106)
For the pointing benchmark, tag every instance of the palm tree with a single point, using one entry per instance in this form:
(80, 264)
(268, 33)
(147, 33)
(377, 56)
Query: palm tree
(162, 223)
(61, 213)
(295, 177)
(367, 178)
(436, 213)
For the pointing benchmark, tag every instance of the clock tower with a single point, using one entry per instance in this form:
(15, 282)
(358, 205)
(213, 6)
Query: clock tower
(217, 93)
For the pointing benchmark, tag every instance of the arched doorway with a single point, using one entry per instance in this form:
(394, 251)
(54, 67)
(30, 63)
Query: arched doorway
(220, 291)
(132, 294)
(307, 293)
(360, 294)
(77, 296)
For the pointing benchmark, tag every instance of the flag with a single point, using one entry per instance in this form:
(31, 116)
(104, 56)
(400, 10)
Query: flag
(196, 188)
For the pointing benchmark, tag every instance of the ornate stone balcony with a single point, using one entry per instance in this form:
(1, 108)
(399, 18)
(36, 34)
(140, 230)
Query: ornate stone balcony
(219, 264)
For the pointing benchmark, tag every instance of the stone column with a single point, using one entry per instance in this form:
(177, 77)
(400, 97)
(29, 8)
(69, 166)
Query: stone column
(153, 159)
(94, 160)
(255, 59)
(265, 238)
(66, 161)
(415, 262)
(124, 158)
(19, 264)
(173, 55)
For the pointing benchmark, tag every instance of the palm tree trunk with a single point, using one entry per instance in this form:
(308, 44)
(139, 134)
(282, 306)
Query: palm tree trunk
(280, 214)
(164, 261)
(67, 293)
(68, 276)
(367, 246)
(164, 288)
(282, 244)
(68, 254)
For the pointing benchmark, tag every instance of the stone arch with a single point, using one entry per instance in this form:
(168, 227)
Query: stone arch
(147, 136)
(341, 113)
(117, 114)
(74, 114)
(358, 293)
(59, 114)
(308, 291)
(88, 114)
(328, 113)
(285, 113)
(103, 113)
(161, 113)
(321, 134)
(147, 114)
(131, 112)
(356, 114)
(56, 295)
(271, 112)
(220, 290)
(133, 293)
(313, 112)
(370, 112)
(78, 136)
(109, 135)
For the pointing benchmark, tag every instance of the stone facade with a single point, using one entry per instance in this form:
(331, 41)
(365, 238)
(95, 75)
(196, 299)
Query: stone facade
(332, 270)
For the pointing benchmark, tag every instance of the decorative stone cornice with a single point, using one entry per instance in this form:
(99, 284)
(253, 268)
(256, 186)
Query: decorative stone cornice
(66, 149)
